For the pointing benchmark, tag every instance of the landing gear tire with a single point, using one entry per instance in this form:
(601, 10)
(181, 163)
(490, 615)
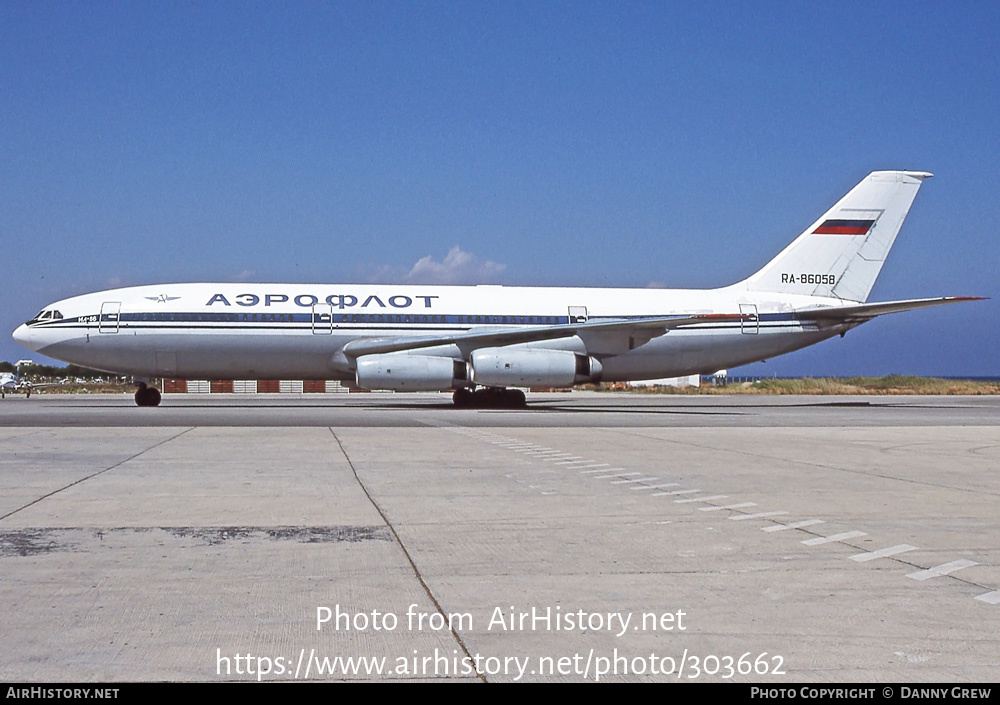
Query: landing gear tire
(489, 398)
(516, 399)
(463, 398)
(147, 396)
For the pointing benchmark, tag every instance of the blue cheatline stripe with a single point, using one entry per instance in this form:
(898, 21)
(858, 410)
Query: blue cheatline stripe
(379, 329)
(360, 318)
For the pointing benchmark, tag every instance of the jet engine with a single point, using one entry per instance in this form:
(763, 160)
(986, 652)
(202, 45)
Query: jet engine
(521, 367)
(411, 373)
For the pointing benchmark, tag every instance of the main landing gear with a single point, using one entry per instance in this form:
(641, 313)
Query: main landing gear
(146, 395)
(489, 398)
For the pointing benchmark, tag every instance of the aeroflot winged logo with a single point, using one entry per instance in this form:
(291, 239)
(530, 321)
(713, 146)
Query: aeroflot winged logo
(162, 298)
(844, 227)
(333, 300)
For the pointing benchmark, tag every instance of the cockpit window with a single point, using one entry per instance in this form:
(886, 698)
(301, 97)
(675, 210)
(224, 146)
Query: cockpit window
(46, 315)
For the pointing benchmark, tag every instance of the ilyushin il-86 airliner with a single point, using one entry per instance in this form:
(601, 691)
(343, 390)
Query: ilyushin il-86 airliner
(485, 342)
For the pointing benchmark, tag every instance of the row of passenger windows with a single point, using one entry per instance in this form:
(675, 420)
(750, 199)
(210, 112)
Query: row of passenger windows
(324, 318)
(216, 317)
(510, 319)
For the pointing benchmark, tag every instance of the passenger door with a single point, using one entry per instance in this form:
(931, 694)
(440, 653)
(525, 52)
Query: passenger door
(110, 315)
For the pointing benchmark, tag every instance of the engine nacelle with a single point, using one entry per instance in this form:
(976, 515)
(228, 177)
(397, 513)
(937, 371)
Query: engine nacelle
(411, 373)
(521, 367)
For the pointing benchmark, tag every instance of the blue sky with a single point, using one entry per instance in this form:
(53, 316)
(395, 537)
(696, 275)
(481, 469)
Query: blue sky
(576, 143)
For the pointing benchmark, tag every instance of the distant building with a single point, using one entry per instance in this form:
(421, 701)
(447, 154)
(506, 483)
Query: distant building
(689, 381)
(258, 386)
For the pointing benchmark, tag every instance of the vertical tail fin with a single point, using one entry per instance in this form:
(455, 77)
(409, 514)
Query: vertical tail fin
(841, 254)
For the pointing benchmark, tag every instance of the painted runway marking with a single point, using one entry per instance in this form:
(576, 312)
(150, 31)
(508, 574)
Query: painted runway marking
(943, 569)
(819, 541)
(741, 505)
(596, 465)
(796, 525)
(637, 481)
(883, 553)
(758, 515)
(701, 499)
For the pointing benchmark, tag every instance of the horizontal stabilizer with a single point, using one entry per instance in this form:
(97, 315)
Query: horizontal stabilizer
(864, 312)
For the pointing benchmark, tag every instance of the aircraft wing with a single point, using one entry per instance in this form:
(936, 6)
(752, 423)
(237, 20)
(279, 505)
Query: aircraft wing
(644, 327)
(864, 312)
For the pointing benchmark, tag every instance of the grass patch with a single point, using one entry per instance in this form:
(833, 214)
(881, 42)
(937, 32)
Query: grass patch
(890, 384)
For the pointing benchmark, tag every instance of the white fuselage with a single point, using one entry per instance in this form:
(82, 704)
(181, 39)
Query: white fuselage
(296, 331)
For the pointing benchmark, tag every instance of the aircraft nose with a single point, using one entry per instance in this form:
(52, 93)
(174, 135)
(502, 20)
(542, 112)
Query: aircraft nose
(23, 336)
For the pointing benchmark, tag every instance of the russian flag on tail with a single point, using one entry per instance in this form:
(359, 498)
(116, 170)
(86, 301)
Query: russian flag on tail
(844, 227)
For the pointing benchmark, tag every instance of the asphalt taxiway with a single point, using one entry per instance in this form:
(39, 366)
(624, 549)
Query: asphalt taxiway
(392, 537)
